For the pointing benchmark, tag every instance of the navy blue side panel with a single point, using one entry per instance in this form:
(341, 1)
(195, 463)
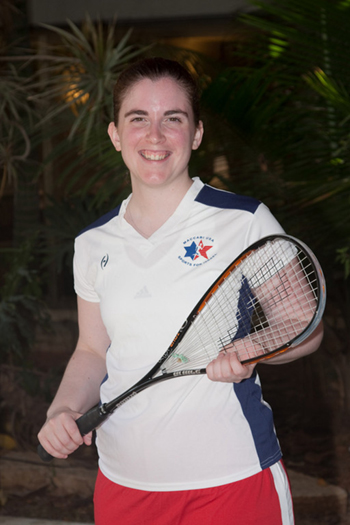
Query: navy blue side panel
(102, 220)
(224, 199)
(245, 309)
(260, 419)
(104, 379)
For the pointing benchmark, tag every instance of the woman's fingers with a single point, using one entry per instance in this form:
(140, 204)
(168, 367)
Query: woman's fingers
(60, 435)
(227, 368)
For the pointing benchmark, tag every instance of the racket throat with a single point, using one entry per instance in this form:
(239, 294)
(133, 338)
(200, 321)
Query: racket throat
(109, 407)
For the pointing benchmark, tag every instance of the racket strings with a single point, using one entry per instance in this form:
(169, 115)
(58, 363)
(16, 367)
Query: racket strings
(260, 306)
(289, 305)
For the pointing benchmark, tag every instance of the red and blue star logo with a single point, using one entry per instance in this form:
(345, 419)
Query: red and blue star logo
(197, 250)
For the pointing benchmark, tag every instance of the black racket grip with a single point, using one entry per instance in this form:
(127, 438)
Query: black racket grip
(91, 419)
(43, 455)
(86, 423)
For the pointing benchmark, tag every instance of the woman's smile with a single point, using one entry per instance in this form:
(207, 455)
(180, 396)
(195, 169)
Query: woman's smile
(155, 155)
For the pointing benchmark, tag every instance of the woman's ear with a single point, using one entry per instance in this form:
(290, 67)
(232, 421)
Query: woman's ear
(114, 136)
(198, 136)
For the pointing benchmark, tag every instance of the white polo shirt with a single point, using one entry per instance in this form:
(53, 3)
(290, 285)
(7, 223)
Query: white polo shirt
(190, 432)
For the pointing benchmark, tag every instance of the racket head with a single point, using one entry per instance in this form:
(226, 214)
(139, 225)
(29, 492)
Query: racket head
(319, 288)
(282, 260)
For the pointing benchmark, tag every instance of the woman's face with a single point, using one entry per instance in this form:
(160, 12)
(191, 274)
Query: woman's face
(156, 132)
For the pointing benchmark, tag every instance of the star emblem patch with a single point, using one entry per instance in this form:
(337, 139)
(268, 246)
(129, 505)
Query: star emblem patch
(194, 251)
(197, 250)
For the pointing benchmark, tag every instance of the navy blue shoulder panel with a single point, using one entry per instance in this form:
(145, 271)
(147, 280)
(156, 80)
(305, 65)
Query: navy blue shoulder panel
(227, 200)
(102, 220)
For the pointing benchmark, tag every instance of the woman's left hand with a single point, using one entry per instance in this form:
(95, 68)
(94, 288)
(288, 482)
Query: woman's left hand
(228, 369)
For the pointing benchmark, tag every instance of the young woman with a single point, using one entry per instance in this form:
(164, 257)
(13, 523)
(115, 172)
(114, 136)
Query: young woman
(201, 449)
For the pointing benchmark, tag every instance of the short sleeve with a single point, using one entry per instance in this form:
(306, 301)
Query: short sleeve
(85, 271)
(263, 224)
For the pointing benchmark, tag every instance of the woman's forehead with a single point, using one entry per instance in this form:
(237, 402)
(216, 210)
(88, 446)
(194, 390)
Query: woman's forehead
(164, 90)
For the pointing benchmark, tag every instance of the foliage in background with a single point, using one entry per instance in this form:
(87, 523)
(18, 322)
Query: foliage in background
(21, 306)
(19, 157)
(17, 116)
(288, 109)
(79, 74)
(82, 80)
(14, 139)
(65, 218)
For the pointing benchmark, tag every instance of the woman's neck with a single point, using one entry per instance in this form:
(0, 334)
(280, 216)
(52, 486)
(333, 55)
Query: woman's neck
(149, 208)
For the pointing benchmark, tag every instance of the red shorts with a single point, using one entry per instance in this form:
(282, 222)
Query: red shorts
(262, 499)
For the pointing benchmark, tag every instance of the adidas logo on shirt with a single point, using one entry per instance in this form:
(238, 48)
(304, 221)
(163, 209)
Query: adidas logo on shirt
(143, 293)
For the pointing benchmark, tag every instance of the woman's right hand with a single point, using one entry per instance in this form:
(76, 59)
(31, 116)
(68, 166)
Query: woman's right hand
(80, 386)
(60, 435)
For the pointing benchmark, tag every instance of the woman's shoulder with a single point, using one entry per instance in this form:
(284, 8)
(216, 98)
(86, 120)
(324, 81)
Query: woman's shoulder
(101, 221)
(220, 198)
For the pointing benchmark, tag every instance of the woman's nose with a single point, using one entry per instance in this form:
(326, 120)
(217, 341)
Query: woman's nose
(155, 133)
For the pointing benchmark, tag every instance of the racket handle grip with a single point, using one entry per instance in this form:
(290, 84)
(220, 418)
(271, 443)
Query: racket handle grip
(91, 419)
(43, 455)
(86, 423)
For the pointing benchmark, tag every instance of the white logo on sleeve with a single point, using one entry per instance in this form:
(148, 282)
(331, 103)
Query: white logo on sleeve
(104, 261)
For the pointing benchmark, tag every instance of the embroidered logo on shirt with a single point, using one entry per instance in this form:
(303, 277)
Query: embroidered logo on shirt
(198, 250)
(104, 261)
(143, 293)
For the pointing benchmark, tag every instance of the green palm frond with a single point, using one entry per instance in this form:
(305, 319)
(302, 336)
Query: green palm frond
(18, 118)
(79, 72)
(289, 105)
(82, 81)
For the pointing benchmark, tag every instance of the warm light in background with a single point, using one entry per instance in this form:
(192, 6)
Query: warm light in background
(73, 95)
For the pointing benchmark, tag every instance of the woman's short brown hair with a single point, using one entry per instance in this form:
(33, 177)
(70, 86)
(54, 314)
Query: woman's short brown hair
(154, 69)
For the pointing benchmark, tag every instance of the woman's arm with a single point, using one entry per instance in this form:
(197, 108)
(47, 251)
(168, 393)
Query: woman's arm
(310, 345)
(227, 367)
(80, 386)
